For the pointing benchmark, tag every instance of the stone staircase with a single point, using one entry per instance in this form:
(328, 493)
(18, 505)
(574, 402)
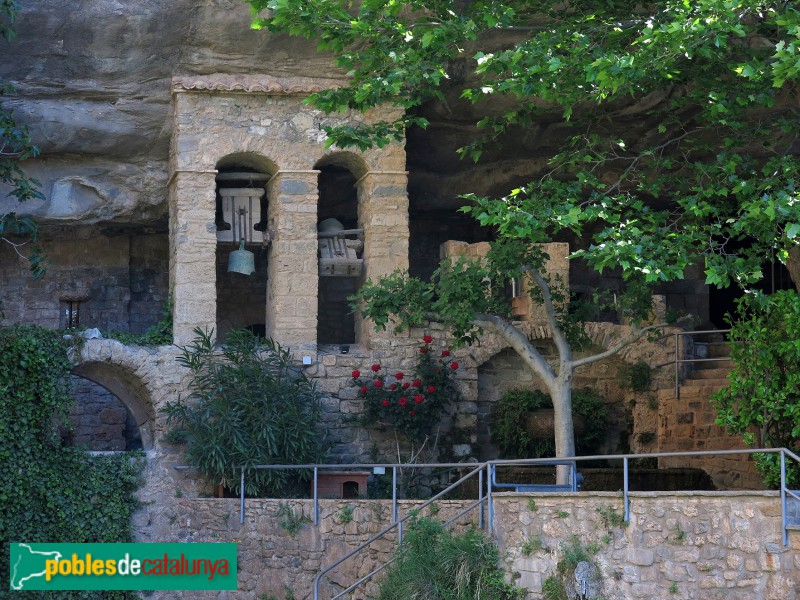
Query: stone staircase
(688, 423)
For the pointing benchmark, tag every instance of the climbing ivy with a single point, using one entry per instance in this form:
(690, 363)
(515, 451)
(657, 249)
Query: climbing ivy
(51, 493)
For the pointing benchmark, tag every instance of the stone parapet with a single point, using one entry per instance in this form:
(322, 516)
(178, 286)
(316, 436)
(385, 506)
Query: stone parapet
(689, 545)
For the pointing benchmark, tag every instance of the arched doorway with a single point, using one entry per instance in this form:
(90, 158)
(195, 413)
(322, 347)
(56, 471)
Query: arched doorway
(117, 386)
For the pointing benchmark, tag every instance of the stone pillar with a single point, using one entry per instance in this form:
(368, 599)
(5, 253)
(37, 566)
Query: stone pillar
(293, 278)
(383, 214)
(192, 248)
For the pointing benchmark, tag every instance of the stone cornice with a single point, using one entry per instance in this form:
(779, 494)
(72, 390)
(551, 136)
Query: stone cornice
(251, 84)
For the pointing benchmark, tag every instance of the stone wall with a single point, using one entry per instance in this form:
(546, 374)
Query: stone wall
(690, 545)
(99, 420)
(119, 281)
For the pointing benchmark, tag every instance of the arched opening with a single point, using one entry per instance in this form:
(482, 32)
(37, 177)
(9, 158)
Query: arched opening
(340, 276)
(112, 381)
(241, 253)
(100, 420)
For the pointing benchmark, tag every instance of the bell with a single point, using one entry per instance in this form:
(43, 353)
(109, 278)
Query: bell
(242, 261)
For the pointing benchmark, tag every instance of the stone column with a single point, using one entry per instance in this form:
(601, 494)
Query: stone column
(383, 214)
(192, 248)
(293, 282)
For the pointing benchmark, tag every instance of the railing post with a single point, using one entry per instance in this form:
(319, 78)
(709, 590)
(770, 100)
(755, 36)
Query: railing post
(784, 517)
(481, 522)
(626, 501)
(316, 496)
(394, 494)
(677, 380)
(241, 499)
(489, 500)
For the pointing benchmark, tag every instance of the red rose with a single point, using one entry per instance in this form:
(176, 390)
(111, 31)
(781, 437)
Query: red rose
(417, 383)
(445, 352)
(406, 385)
(454, 365)
(363, 389)
(413, 412)
(419, 398)
(399, 375)
(402, 401)
(385, 402)
(375, 368)
(427, 339)
(393, 387)
(378, 384)
(356, 374)
(431, 389)
(423, 350)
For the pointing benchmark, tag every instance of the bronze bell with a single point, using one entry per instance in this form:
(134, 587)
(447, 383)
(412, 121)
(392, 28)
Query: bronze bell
(242, 261)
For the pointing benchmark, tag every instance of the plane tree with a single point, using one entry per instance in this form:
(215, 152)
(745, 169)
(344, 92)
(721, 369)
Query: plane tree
(682, 145)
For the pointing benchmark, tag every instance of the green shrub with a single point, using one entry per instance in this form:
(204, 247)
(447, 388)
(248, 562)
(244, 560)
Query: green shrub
(762, 400)
(436, 564)
(509, 416)
(248, 406)
(50, 493)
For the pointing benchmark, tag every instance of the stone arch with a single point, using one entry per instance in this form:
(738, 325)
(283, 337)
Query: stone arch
(248, 158)
(128, 387)
(355, 163)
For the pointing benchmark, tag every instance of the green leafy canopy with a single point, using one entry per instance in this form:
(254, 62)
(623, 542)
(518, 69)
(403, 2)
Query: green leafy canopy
(680, 115)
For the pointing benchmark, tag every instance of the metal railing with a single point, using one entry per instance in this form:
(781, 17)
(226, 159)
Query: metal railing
(487, 480)
(679, 360)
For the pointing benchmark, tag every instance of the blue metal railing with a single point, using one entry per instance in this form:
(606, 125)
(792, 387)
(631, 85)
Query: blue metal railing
(487, 476)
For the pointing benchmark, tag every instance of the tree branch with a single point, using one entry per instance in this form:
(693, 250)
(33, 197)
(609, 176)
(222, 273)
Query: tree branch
(559, 338)
(625, 341)
(521, 345)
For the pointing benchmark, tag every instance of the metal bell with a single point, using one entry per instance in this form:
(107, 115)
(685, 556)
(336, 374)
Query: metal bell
(242, 261)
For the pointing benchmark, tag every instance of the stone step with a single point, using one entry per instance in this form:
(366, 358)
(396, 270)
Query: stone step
(704, 374)
(702, 390)
(722, 363)
(719, 349)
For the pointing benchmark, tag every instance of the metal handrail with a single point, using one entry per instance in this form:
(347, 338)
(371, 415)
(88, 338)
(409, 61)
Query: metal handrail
(488, 500)
(678, 361)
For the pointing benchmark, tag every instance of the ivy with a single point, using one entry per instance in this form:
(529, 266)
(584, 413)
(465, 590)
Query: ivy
(51, 493)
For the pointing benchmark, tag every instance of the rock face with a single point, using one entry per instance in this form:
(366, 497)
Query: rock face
(93, 85)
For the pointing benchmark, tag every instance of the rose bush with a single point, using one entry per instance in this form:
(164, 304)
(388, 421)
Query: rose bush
(411, 404)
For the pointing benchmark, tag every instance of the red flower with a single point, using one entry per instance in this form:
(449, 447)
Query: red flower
(385, 402)
(445, 352)
(413, 412)
(393, 387)
(363, 389)
(454, 365)
(419, 398)
(406, 385)
(378, 383)
(399, 375)
(356, 374)
(375, 368)
(402, 401)
(427, 339)
(423, 350)
(417, 383)
(431, 389)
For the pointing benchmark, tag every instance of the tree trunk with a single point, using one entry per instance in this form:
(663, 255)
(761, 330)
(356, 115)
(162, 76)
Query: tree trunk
(561, 394)
(793, 266)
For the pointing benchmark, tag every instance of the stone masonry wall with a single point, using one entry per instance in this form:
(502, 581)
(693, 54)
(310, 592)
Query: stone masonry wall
(679, 545)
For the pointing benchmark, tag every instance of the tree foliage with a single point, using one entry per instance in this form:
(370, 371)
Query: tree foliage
(49, 492)
(248, 406)
(16, 147)
(762, 400)
(682, 115)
